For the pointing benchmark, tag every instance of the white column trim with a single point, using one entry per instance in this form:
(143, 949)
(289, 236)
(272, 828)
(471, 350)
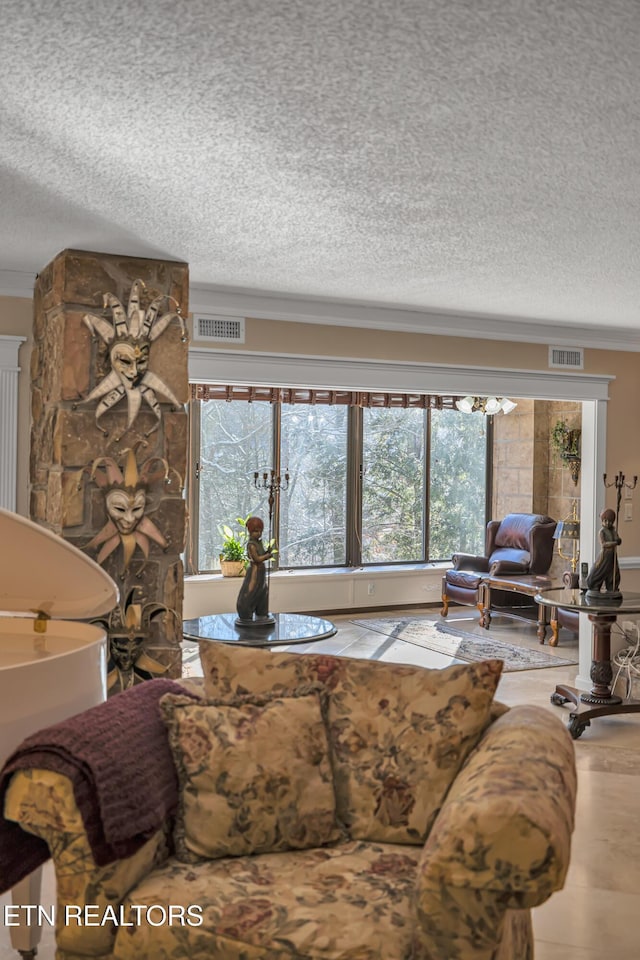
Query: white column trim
(9, 370)
(593, 444)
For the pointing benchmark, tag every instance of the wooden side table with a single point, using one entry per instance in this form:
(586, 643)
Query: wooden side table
(600, 701)
(528, 585)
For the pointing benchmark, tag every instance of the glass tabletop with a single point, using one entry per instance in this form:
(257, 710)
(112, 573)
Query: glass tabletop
(287, 628)
(579, 600)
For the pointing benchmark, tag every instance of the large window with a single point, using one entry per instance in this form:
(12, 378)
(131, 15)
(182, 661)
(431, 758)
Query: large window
(234, 438)
(372, 478)
(313, 510)
(393, 485)
(458, 483)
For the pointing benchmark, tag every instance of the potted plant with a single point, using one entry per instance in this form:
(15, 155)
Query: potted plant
(565, 441)
(233, 556)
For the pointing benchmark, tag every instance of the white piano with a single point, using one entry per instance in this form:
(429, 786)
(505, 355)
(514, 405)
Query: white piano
(50, 666)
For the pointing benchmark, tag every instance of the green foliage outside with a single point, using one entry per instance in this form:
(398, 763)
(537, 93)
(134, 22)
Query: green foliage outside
(236, 440)
(457, 514)
(393, 485)
(313, 510)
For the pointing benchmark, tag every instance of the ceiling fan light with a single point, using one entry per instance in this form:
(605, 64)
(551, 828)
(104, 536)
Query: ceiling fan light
(508, 405)
(492, 405)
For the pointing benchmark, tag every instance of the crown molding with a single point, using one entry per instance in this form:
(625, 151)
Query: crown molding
(17, 283)
(265, 305)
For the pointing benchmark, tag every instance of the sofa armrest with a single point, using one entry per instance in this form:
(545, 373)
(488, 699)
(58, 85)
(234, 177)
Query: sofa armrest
(467, 561)
(502, 839)
(42, 803)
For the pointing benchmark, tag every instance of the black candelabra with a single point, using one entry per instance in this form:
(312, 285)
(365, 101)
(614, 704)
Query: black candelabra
(619, 483)
(274, 483)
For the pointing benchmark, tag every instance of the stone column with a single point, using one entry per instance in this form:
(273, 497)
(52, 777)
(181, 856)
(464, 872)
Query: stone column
(109, 439)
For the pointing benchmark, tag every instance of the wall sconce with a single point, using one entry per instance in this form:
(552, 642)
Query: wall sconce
(567, 535)
(486, 405)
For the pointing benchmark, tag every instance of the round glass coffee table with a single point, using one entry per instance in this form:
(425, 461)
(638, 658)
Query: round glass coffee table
(602, 613)
(287, 628)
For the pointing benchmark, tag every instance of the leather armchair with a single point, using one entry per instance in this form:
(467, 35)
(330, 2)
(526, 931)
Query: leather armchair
(520, 544)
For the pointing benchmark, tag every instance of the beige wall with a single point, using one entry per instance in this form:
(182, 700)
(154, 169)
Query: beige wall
(277, 336)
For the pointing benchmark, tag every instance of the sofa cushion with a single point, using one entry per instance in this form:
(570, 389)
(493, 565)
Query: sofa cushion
(521, 558)
(464, 578)
(398, 734)
(353, 901)
(254, 774)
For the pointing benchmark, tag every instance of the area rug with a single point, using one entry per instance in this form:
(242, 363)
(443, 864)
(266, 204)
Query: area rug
(453, 642)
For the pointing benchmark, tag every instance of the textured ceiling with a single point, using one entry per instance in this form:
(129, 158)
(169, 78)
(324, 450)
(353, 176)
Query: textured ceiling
(468, 156)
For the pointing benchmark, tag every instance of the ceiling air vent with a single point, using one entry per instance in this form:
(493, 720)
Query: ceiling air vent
(220, 329)
(569, 358)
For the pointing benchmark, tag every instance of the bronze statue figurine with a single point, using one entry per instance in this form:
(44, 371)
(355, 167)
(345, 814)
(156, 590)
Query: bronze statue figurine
(253, 600)
(605, 571)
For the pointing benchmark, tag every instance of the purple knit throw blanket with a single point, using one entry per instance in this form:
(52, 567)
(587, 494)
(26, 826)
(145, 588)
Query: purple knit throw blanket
(118, 759)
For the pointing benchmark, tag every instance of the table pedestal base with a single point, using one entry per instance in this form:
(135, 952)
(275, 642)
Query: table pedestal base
(590, 707)
(602, 610)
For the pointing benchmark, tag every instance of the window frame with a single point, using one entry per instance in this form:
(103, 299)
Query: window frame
(353, 491)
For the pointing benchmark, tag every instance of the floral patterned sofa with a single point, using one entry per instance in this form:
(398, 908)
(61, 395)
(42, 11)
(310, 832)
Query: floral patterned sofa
(330, 808)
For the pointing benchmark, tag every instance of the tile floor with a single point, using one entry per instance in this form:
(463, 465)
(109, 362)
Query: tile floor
(594, 916)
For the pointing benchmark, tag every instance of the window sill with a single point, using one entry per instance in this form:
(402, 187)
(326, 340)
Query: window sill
(308, 573)
(329, 588)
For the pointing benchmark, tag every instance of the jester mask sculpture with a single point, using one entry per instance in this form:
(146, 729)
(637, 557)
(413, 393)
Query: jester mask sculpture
(129, 335)
(126, 504)
(128, 626)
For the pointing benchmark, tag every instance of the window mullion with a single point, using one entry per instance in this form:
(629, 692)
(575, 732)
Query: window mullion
(354, 487)
(489, 470)
(277, 466)
(426, 499)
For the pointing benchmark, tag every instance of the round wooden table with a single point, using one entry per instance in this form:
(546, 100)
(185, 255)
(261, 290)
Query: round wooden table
(603, 613)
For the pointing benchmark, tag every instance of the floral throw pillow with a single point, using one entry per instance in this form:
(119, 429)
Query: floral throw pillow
(398, 734)
(399, 738)
(254, 774)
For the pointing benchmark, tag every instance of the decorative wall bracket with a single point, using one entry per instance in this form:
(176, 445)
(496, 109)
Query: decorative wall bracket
(574, 468)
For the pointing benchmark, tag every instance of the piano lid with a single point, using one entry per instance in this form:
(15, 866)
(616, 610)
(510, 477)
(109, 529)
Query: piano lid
(39, 571)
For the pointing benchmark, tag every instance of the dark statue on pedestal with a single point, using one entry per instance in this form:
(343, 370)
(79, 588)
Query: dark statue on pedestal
(253, 600)
(605, 572)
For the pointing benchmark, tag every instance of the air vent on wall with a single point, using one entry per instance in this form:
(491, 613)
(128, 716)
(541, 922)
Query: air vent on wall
(213, 327)
(566, 357)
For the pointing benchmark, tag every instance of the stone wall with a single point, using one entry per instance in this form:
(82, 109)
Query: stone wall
(109, 439)
(528, 475)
